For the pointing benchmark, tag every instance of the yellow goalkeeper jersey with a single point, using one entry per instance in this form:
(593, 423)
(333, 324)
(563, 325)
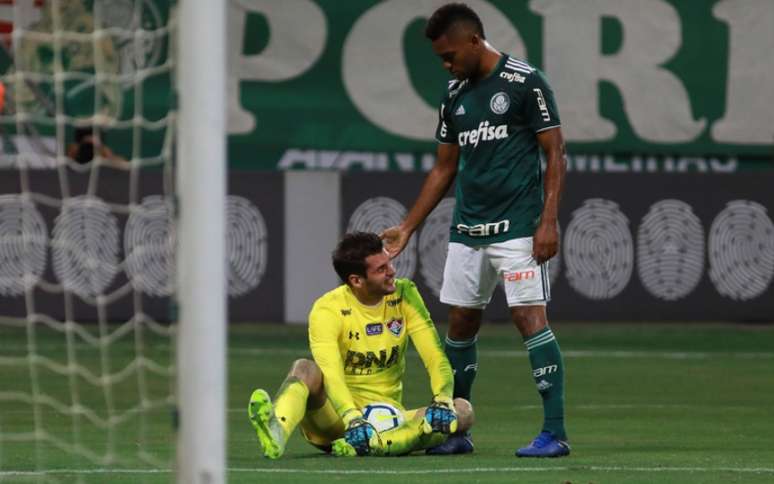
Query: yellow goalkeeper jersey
(362, 349)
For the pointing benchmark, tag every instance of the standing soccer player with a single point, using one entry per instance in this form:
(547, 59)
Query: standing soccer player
(495, 117)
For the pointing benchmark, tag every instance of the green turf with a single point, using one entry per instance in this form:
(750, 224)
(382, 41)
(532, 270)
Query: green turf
(645, 403)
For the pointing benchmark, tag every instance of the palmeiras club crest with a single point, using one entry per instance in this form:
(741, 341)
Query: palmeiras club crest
(499, 103)
(395, 326)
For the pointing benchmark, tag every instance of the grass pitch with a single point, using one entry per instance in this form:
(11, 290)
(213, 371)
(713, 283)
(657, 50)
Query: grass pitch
(670, 403)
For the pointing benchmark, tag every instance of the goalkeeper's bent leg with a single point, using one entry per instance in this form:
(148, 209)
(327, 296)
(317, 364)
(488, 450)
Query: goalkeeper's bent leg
(301, 390)
(322, 426)
(290, 403)
(407, 438)
(410, 437)
(275, 421)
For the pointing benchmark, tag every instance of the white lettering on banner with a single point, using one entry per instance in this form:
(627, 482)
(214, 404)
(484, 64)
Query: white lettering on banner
(749, 116)
(389, 100)
(345, 160)
(287, 54)
(651, 164)
(656, 101)
(382, 161)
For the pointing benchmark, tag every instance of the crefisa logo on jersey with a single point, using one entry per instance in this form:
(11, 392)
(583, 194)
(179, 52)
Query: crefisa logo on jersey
(483, 133)
(499, 103)
(513, 77)
(395, 326)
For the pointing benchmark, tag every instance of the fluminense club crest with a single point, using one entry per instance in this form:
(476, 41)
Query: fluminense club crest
(395, 326)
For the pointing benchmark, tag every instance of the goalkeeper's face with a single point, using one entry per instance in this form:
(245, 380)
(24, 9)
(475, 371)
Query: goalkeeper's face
(380, 275)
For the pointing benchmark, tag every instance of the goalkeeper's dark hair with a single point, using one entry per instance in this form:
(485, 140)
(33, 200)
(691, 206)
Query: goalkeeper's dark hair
(351, 252)
(450, 15)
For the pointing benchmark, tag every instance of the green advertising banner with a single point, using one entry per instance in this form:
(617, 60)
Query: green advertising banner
(642, 85)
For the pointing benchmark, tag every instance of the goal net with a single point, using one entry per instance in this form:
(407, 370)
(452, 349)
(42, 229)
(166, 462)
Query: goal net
(87, 237)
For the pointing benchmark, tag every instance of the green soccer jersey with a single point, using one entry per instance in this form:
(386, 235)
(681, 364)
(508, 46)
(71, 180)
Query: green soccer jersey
(499, 193)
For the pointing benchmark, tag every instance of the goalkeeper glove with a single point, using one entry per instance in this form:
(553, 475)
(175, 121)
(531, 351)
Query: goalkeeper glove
(440, 416)
(359, 433)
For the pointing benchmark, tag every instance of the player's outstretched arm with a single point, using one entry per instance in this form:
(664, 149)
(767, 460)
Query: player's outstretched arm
(435, 187)
(545, 242)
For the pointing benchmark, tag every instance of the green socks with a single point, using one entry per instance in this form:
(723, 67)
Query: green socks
(548, 371)
(463, 358)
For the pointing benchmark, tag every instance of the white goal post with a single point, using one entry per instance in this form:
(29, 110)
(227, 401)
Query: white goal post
(201, 177)
(112, 205)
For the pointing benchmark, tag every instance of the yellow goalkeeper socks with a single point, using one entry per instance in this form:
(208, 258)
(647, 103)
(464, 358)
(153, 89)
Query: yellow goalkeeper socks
(290, 404)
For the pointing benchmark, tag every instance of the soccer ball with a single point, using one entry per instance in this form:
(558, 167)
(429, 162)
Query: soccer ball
(383, 416)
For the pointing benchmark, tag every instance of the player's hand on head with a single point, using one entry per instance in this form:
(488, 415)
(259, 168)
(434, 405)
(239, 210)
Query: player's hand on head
(545, 242)
(360, 434)
(440, 416)
(394, 239)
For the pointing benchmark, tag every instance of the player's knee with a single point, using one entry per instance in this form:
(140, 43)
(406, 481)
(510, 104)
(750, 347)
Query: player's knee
(529, 319)
(466, 417)
(464, 323)
(308, 372)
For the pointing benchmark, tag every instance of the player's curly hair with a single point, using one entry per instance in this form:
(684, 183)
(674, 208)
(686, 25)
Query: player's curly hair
(450, 14)
(351, 252)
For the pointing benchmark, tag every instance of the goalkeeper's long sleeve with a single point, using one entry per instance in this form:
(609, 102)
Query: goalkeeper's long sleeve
(324, 330)
(425, 338)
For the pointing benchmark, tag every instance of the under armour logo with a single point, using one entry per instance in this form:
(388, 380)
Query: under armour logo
(356, 335)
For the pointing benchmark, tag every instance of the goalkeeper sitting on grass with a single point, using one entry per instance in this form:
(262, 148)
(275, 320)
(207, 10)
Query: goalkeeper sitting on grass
(358, 334)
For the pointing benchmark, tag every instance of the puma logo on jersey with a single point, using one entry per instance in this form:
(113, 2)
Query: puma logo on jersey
(483, 133)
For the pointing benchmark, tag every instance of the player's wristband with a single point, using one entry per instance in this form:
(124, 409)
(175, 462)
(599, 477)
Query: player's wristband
(351, 415)
(448, 401)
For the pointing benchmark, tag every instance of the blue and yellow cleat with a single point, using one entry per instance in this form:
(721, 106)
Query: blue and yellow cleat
(459, 443)
(545, 445)
(270, 434)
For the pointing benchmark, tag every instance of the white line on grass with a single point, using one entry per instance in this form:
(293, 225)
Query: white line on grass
(663, 355)
(606, 406)
(470, 470)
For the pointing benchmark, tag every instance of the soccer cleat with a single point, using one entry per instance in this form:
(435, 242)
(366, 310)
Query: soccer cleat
(342, 448)
(459, 443)
(270, 434)
(545, 445)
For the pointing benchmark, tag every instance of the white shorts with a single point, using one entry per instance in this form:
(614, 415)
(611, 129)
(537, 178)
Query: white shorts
(471, 274)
